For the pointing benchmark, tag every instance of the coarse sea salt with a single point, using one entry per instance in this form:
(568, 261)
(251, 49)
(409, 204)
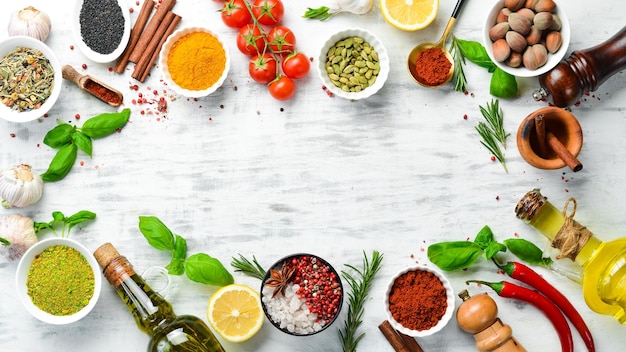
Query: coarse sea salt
(290, 311)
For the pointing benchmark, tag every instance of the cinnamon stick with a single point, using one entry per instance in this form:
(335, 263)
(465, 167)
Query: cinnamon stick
(560, 150)
(156, 52)
(135, 33)
(152, 26)
(399, 341)
(142, 63)
(410, 342)
(540, 130)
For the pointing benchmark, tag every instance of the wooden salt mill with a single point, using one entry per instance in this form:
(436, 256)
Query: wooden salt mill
(478, 315)
(584, 71)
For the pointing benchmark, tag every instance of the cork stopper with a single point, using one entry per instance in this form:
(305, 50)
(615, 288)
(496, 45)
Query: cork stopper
(115, 267)
(105, 254)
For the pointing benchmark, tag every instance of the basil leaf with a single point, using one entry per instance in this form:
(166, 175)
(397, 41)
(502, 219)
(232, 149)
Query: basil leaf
(503, 85)
(40, 226)
(177, 265)
(476, 53)
(205, 269)
(493, 249)
(83, 142)
(105, 124)
(78, 218)
(59, 136)
(484, 237)
(453, 255)
(525, 250)
(157, 234)
(5, 242)
(61, 164)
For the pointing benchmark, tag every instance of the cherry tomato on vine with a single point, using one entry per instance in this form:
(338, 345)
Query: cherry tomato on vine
(250, 40)
(282, 88)
(296, 65)
(282, 40)
(268, 12)
(235, 14)
(262, 68)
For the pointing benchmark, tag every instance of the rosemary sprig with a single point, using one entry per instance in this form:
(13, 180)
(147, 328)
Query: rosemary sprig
(359, 287)
(247, 267)
(458, 77)
(494, 116)
(490, 142)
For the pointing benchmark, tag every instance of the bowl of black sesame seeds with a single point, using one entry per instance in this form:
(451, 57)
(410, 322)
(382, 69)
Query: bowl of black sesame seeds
(101, 28)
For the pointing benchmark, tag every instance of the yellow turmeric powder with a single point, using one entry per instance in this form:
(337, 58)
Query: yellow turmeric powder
(196, 61)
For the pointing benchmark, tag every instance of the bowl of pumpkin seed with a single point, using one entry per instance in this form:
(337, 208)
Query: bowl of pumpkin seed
(353, 64)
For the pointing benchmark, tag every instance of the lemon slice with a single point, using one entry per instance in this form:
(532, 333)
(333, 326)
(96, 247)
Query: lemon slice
(409, 15)
(235, 312)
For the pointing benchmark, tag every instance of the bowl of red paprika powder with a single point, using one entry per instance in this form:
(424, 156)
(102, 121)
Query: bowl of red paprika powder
(419, 301)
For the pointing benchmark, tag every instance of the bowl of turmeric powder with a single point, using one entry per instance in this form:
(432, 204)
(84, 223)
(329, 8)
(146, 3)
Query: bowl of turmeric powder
(194, 61)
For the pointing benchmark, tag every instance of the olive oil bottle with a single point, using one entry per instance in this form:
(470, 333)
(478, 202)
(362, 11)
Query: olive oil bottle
(603, 263)
(154, 315)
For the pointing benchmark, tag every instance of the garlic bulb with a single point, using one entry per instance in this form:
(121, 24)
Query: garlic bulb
(19, 232)
(19, 187)
(31, 22)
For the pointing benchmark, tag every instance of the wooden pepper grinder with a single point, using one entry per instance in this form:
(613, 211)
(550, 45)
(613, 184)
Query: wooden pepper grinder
(584, 71)
(478, 315)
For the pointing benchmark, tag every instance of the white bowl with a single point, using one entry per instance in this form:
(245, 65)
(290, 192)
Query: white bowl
(22, 275)
(9, 45)
(553, 59)
(450, 299)
(87, 51)
(171, 40)
(383, 59)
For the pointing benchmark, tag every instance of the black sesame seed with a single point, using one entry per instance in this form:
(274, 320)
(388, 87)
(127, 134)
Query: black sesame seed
(101, 25)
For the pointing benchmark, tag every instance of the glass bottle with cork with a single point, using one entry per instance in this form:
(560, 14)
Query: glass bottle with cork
(153, 314)
(603, 263)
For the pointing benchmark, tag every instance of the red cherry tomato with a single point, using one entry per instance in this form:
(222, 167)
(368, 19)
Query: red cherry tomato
(262, 68)
(268, 12)
(282, 88)
(235, 14)
(250, 40)
(296, 65)
(282, 40)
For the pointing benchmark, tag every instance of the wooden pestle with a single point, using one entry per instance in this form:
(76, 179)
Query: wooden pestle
(547, 140)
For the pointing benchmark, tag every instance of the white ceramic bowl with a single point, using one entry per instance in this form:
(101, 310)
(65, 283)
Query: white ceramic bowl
(171, 40)
(383, 59)
(9, 45)
(22, 275)
(87, 51)
(553, 59)
(450, 299)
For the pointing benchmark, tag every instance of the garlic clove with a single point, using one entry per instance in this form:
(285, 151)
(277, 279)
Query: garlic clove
(30, 22)
(19, 187)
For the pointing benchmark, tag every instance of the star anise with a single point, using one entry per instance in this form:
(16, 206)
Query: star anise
(280, 279)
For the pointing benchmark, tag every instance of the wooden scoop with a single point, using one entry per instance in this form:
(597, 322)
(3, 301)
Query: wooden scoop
(93, 86)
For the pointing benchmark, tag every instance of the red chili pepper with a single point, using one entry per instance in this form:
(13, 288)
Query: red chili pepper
(528, 276)
(550, 310)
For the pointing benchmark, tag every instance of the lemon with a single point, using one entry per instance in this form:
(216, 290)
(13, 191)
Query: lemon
(235, 312)
(409, 15)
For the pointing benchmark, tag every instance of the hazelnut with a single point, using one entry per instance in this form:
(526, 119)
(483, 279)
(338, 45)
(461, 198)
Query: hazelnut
(535, 56)
(528, 13)
(501, 50)
(543, 20)
(514, 5)
(516, 41)
(534, 36)
(519, 23)
(498, 31)
(530, 4)
(503, 15)
(553, 41)
(556, 23)
(514, 60)
(545, 5)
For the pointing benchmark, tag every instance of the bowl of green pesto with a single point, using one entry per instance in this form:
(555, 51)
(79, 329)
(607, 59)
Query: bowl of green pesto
(58, 281)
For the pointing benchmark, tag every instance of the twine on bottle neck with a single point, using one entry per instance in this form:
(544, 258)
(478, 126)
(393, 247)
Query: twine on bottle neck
(572, 236)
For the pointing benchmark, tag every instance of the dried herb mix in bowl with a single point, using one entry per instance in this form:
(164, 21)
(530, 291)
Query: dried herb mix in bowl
(27, 79)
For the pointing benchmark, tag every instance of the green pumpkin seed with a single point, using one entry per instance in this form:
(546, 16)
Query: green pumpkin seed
(352, 64)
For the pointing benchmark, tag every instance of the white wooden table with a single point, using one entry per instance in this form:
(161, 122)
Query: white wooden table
(239, 172)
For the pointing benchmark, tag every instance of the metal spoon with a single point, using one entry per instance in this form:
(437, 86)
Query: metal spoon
(413, 55)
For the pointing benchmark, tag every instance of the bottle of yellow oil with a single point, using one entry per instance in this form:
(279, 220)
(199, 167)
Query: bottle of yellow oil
(603, 263)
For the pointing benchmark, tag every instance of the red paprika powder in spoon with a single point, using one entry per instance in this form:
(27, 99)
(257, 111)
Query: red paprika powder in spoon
(432, 67)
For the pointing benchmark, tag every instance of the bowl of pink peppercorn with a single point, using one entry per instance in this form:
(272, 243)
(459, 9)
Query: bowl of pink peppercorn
(302, 294)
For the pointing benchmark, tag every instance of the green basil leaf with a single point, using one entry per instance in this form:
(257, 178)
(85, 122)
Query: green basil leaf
(157, 234)
(454, 255)
(205, 269)
(484, 237)
(58, 216)
(503, 85)
(105, 124)
(83, 142)
(177, 265)
(476, 53)
(61, 164)
(5, 242)
(79, 217)
(493, 249)
(40, 226)
(59, 136)
(525, 250)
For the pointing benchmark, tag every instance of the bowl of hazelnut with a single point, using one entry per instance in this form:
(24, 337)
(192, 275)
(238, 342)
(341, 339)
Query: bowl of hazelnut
(526, 38)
